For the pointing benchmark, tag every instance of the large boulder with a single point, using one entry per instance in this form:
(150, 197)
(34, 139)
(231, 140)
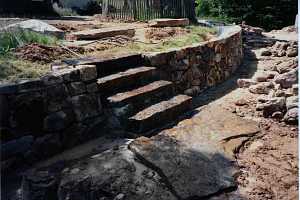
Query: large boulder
(37, 26)
(114, 174)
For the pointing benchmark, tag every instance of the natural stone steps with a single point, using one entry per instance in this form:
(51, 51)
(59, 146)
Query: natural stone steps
(125, 79)
(112, 65)
(160, 113)
(127, 103)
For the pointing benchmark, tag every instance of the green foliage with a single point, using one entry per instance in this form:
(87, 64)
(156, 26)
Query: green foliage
(10, 39)
(269, 14)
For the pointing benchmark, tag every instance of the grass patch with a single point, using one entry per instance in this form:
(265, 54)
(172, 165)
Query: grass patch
(10, 39)
(13, 69)
(196, 35)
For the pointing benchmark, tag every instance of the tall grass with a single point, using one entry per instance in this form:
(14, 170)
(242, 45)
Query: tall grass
(13, 38)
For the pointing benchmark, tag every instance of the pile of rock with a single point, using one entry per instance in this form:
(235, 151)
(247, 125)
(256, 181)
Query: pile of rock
(280, 49)
(253, 37)
(277, 90)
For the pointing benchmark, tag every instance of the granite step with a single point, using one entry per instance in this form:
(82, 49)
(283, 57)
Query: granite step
(110, 65)
(159, 114)
(127, 103)
(126, 79)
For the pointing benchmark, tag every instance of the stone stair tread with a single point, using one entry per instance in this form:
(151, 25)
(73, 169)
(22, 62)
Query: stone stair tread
(143, 91)
(160, 107)
(120, 79)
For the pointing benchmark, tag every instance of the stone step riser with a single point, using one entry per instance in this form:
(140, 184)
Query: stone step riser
(160, 117)
(115, 84)
(125, 110)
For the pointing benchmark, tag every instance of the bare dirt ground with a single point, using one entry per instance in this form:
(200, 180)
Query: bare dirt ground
(268, 161)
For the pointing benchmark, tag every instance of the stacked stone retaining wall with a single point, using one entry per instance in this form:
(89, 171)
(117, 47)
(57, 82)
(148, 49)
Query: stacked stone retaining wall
(39, 118)
(200, 66)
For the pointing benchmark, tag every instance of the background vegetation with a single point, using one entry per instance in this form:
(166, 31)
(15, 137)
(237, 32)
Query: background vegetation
(269, 14)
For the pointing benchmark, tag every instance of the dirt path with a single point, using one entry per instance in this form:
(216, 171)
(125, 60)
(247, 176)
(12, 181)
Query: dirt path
(268, 161)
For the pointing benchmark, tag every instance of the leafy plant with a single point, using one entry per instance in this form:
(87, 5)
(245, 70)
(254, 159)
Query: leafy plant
(13, 38)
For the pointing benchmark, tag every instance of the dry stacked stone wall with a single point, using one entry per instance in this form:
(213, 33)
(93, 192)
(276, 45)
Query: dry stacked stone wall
(39, 118)
(198, 67)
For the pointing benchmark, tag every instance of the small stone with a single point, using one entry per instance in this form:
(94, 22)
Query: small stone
(119, 197)
(286, 66)
(279, 93)
(195, 90)
(261, 88)
(287, 80)
(92, 88)
(291, 117)
(87, 72)
(277, 115)
(292, 102)
(272, 105)
(52, 80)
(279, 53)
(292, 52)
(295, 89)
(245, 83)
(58, 121)
(76, 88)
(266, 52)
(86, 106)
(241, 102)
(262, 98)
(15, 147)
(280, 45)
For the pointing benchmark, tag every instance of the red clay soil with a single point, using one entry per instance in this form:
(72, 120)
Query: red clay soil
(45, 54)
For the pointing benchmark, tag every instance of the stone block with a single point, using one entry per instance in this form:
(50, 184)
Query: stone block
(76, 88)
(92, 88)
(51, 80)
(87, 72)
(57, 92)
(58, 121)
(86, 106)
(30, 85)
(16, 147)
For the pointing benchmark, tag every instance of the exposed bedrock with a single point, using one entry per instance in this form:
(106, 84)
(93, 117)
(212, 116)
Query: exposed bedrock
(190, 161)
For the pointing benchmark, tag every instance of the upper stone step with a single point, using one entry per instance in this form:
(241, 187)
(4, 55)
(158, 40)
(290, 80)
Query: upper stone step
(154, 88)
(111, 65)
(128, 78)
(127, 103)
(160, 113)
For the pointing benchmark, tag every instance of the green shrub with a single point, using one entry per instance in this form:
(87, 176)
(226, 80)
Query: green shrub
(13, 38)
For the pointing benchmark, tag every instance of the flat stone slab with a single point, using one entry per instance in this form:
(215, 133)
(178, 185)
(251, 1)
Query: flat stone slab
(95, 34)
(194, 155)
(138, 93)
(160, 113)
(126, 78)
(168, 22)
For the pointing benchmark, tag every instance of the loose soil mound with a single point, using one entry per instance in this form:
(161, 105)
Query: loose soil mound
(163, 33)
(45, 54)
